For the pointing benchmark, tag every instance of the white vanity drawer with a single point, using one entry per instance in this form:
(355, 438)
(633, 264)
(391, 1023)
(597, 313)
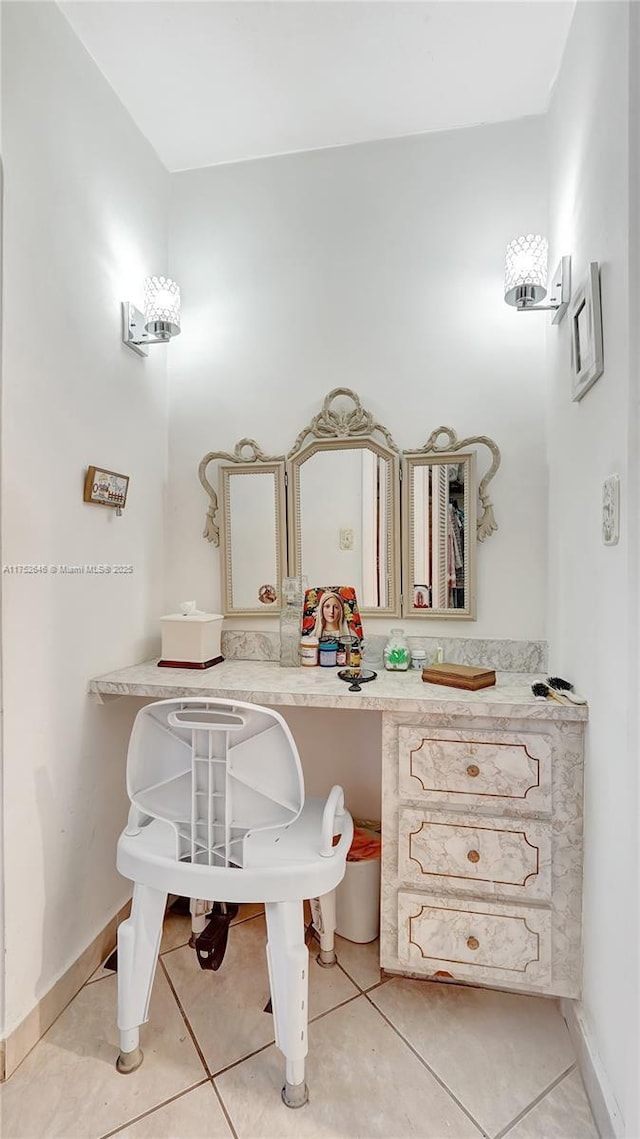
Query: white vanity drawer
(475, 768)
(509, 857)
(473, 940)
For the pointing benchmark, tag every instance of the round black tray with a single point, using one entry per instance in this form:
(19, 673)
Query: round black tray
(354, 677)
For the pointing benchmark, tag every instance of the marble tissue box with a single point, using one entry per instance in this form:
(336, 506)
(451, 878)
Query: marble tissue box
(191, 640)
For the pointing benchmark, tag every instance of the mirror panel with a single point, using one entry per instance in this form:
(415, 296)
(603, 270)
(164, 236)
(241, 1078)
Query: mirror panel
(344, 519)
(253, 538)
(440, 535)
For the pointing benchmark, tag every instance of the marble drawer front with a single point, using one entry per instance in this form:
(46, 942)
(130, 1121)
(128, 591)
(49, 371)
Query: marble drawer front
(485, 941)
(484, 855)
(482, 849)
(476, 768)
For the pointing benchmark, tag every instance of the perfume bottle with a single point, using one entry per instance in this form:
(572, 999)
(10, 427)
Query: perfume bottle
(290, 620)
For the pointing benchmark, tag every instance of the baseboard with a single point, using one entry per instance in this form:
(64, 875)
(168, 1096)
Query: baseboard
(603, 1103)
(26, 1035)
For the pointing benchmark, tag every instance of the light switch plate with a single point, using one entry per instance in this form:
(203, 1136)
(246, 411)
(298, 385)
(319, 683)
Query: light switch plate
(611, 510)
(346, 538)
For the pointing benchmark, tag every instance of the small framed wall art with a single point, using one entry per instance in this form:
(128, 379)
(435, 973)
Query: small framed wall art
(587, 357)
(105, 488)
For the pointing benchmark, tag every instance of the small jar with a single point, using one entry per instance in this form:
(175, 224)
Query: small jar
(354, 660)
(327, 652)
(418, 659)
(309, 651)
(344, 651)
(396, 652)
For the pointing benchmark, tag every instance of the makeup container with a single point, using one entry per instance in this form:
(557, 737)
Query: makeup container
(309, 651)
(344, 651)
(328, 652)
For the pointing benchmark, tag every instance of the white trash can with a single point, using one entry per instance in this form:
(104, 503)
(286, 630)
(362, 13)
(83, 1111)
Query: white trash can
(358, 895)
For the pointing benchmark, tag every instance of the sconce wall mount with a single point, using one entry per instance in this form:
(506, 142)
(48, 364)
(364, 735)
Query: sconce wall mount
(159, 322)
(525, 284)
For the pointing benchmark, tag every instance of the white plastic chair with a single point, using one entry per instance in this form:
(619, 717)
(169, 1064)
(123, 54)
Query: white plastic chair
(218, 812)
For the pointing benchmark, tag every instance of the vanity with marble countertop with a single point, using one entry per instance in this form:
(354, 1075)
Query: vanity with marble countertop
(267, 682)
(481, 814)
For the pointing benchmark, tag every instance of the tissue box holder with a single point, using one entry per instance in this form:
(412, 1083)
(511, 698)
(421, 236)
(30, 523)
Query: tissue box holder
(191, 642)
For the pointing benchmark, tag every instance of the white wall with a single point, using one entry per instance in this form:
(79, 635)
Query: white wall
(377, 267)
(594, 595)
(2, 939)
(85, 219)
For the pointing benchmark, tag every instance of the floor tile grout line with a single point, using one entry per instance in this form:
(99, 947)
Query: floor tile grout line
(534, 1103)
(428, 1067)
(272, 1043)
(223, 1107)
(186, 1021)
(94, 980)
(157, 1107)
(173, 948)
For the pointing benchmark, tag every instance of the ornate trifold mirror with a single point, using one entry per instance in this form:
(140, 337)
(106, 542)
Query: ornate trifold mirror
(339, 489)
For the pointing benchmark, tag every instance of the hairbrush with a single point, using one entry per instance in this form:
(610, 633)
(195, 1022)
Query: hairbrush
(566, 689)
(543, 692)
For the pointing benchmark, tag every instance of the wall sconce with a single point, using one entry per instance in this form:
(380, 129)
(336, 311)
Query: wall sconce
(160, 320)
(525, 277)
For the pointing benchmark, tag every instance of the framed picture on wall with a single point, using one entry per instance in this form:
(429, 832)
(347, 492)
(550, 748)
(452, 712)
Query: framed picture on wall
(105, 488)
(585, 318)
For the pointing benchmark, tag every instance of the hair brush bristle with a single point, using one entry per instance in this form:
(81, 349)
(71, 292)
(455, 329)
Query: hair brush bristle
(540, 689)
(560, 684)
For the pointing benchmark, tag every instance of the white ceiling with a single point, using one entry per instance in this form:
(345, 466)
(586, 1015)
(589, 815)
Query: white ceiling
(210, 81)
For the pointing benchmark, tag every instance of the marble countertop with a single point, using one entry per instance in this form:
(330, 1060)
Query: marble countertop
(265, 682)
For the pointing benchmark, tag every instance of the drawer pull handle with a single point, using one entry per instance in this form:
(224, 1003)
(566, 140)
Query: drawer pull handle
(473, 770)
(473, 943)
(473, 856)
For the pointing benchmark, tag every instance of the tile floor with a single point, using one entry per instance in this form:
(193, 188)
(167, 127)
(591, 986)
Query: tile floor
(388, 1057)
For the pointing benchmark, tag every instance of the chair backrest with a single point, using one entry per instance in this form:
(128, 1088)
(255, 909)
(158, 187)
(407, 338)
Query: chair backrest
(216, 770)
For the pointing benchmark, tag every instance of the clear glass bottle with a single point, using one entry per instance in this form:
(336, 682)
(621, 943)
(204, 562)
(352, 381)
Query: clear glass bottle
(397, 654)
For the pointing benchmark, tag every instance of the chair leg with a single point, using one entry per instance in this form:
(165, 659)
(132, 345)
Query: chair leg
(288, 962)
(138, 945)
(323, 912)
(198, 908)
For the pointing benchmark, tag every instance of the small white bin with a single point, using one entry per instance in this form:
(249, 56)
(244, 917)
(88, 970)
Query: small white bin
(358, 896)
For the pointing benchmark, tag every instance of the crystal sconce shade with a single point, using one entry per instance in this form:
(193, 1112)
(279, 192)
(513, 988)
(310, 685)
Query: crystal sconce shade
(161, 307)
(160, 320)
(525, 273)
(525, 277)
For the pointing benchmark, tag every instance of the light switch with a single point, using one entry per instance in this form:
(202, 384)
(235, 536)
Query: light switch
(611, 510)
(346, 538)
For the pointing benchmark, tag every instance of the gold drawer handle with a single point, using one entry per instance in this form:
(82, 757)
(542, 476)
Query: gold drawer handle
(473, 770)
(473, 856)
(473, 943)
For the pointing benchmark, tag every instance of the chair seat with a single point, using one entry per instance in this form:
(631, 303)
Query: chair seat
(281, 864)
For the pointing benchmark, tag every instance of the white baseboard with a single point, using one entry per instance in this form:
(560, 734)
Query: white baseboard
(26, 1035)
(603, 1103)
